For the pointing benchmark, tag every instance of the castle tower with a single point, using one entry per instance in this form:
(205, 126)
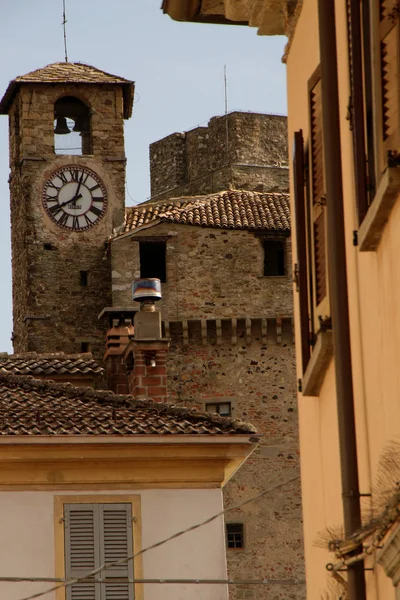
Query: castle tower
(67, 185)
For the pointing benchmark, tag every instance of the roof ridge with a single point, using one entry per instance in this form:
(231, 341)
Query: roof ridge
(106, 397)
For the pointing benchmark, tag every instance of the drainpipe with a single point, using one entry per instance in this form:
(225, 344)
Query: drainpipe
(338, 287)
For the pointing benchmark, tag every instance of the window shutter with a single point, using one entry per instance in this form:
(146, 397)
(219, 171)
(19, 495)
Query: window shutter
(301, 236)
(81, 549)
(318, 187)
(97, 534)
(115, 522)
(390, 72)
(319, 257)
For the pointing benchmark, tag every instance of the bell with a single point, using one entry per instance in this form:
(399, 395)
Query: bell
(81, 125)
(61, 126)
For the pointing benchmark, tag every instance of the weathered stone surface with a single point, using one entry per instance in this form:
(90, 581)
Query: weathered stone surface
(243, 151)
(52, 311)
(210, 273)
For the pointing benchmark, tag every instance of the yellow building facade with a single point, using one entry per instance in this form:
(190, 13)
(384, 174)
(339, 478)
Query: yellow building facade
(344, 132)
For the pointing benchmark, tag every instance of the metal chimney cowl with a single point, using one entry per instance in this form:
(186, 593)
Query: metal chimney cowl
(147, 322)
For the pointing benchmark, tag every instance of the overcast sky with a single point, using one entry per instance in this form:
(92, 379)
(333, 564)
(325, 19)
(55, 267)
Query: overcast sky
(178, 69)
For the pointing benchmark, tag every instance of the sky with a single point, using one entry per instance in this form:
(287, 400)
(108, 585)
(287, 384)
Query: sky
(178, 69)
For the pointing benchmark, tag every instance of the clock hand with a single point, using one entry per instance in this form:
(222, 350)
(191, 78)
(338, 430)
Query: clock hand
(74, 199)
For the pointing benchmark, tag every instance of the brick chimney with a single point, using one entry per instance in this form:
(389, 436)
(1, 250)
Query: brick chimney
(148, 349)
(117, 340)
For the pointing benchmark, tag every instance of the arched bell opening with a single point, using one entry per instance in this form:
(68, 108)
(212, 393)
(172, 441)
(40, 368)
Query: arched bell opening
(71, 126)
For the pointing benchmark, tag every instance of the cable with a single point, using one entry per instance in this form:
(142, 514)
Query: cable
(162, 542)
(293, 581)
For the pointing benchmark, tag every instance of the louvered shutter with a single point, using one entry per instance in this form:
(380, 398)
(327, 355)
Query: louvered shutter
(318, 187)
(81, 549)
(390, 73)
(98, 534)
(116, 544)
(301, 236)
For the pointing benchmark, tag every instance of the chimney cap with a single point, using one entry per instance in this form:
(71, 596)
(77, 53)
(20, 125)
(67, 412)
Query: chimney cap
(146, 289)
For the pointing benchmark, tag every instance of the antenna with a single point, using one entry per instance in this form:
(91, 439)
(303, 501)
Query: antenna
(64, 22)
(226, 113)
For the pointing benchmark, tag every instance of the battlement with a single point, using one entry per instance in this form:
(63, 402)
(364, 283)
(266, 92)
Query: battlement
(242, 150)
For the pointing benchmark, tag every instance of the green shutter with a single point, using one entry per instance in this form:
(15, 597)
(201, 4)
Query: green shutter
(97, 534)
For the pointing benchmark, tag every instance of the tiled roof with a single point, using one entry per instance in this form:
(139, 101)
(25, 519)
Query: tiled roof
(232, 209)
(67, 72)
(37, 407)
(46, 365)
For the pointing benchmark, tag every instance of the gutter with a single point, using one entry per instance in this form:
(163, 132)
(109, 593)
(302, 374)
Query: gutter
(337, 268)
(250, 438)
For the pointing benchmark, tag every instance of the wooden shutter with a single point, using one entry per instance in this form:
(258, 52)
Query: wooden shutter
(390, 73)
(317, 186)
(97, 534)
(116, 544)
(301, 238)
(81, 549)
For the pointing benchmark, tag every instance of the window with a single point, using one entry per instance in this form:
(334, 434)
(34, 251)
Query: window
(274, 258)
(153, 260)
(71, 127)
(83, 278)
(85, 347)
(96, 534)
(221, 408)
(234, 535)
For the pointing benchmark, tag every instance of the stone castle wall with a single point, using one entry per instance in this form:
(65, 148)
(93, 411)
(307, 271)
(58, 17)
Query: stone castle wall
(258, 379)
(250, 154)
(52, 312)
(211, 273)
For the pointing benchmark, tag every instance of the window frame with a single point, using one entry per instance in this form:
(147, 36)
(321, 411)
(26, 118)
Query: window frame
(235, 549)
(59, 532)
(218, 404)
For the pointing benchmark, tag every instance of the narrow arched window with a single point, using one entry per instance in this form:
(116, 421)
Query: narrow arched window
(71, 126)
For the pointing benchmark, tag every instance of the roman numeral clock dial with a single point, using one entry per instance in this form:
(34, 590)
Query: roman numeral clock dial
(75, 198)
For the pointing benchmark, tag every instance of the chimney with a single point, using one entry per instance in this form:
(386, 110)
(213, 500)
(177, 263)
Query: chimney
(148, 378)
(117, 340)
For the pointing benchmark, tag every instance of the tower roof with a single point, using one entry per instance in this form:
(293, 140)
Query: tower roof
(67, 72)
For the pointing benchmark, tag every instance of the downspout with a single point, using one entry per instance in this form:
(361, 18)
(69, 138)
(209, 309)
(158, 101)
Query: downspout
(338, 287)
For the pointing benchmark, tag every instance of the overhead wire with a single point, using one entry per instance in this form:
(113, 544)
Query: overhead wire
(104, 567)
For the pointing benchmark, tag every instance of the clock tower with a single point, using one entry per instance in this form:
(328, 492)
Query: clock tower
(67, 186)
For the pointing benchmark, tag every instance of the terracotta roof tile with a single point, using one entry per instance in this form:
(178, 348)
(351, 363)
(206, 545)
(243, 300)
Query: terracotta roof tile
(67, 72)
(46, 365)
(232, 209)
(37, 407)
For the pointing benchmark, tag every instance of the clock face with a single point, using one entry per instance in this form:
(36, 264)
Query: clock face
(74, 198)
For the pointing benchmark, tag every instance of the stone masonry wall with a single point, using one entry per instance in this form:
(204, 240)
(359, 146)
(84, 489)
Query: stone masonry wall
(259, 381)
(52, 312)
(203, 161)
(211, 273)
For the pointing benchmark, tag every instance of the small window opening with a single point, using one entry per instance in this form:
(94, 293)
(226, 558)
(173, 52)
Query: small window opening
(83, 281)
(224, 409)
(274, 258)
(85, 347)
(234, 535)
(153, 260)
(130, 363)
(71, 127)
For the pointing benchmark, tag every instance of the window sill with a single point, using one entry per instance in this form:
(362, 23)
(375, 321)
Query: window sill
(319, 362)
(373, 225)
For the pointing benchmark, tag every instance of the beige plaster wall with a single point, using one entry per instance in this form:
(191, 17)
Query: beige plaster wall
(27, 548)
(374, 295)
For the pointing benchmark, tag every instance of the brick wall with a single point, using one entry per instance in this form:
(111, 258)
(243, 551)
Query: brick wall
(202, 161)
(46, 283)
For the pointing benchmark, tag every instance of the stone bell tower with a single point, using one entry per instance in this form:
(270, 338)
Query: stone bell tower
(67, 184)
